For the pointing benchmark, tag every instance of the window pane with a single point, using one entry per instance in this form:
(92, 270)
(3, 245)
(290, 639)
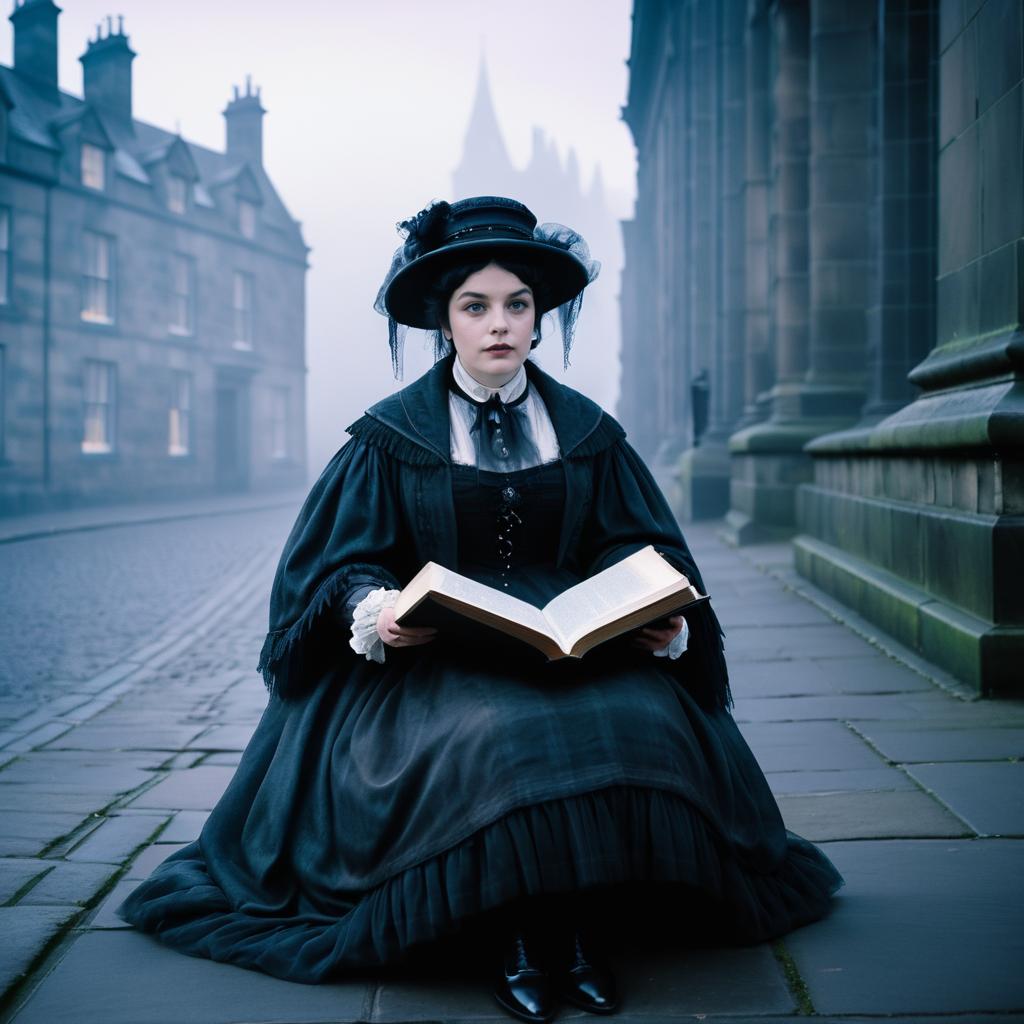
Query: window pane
(92, 166)
(98, 412)
(246, 218)
(5, 247)
(3, 392)
(97, 278)
(179, 422)
(177, 193)
(242, 310)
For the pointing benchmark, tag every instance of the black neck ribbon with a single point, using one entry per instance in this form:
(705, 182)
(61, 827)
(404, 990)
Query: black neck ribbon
(503, 443)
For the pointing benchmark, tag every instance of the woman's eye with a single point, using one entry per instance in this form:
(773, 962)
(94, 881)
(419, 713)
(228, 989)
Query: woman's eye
(518, 304)
(474, 307)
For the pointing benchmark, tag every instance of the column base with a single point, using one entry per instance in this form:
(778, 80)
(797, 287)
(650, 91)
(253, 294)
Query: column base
(702, 482)
(917, 522)
(985, 656)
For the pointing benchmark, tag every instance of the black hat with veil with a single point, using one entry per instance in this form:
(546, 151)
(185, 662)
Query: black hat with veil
(444, 235)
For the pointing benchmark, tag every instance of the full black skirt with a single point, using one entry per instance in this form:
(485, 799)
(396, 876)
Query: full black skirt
(397, 804)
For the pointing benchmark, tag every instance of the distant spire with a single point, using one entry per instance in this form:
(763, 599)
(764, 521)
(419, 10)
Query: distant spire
(596, 194)
(484, 142)
(572, 169)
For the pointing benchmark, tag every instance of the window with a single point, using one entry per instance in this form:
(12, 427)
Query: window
(3, 392)
(180, 422)
(93, 169)
(246, 218)
(182, 302)
(242, 327)
(98, 279)
(279, 423)
(5, 255)
(177, 194)
(100, 386)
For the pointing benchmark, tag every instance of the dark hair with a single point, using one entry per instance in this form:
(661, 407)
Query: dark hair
(444, 286)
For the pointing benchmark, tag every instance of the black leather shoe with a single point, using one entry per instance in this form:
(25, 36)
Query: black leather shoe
(523, 987)
(587, 981)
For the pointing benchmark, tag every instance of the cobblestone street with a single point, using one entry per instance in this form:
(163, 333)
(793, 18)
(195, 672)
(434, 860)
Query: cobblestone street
(914, 791)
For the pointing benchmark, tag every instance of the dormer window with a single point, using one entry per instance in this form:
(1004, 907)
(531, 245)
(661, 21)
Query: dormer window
(246, 218)
(93, 167)
(177, 194)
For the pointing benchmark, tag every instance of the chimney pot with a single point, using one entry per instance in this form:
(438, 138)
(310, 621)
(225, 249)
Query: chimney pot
(107, 72)
(244, 122)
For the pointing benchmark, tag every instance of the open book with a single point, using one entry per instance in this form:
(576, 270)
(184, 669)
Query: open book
(631, 593)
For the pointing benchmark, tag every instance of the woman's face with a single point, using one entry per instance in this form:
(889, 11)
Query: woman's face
(491, 318)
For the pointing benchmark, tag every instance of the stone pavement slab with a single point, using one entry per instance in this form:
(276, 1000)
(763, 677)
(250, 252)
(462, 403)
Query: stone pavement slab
(905, 742)
(844, 707)
(223, 737)
(784, 677)
(70, 883)
(989, 796)
(116, 736)
(26, 833)
(151, 858)
(108, 772)
(105, 918)
(188, 789)
(124, 977)
(835, 781)
(17, 872)
(926, 926)
(24, 933)
(746, 643)
(184, 827)
(117, 838)
(806, 746)
(901, 814)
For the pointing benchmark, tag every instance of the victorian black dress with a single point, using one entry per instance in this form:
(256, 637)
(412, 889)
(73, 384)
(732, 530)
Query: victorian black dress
(379, 808)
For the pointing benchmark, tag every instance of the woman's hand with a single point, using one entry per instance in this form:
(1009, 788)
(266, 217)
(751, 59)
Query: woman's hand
(401, 636)
(657, 637)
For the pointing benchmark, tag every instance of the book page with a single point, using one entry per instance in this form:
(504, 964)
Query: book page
(452, 586)
(629, 584)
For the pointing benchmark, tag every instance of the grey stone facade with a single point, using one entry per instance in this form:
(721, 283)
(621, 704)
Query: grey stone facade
(152, 321)
(862, 167)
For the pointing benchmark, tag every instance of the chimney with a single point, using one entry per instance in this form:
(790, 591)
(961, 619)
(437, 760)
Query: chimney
(107, 72)
(35, 41)
(244, 117)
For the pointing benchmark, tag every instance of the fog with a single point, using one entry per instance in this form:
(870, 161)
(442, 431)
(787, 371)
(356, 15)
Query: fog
(367, 109)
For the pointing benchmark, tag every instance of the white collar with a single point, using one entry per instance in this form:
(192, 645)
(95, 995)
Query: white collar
(508, 392)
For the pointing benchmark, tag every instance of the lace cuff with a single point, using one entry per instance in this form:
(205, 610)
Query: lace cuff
(365, 638)
(677, 644)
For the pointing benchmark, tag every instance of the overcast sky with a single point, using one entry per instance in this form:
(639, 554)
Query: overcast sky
(367, 105)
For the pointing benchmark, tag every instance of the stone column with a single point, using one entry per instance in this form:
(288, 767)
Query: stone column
(824, 195)
(901, 316)
(759, 358)
(767, 458)
(918, 521)
(715, 250)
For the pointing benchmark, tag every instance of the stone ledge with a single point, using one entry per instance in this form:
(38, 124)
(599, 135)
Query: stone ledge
(985, 656)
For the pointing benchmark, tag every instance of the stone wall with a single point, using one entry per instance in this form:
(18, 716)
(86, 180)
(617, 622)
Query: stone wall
(866, 349)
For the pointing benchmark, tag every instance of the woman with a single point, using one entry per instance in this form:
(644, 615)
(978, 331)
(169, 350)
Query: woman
(411, 786)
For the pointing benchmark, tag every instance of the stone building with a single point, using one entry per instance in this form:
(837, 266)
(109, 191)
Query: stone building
(152, 306)
(831, 223)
